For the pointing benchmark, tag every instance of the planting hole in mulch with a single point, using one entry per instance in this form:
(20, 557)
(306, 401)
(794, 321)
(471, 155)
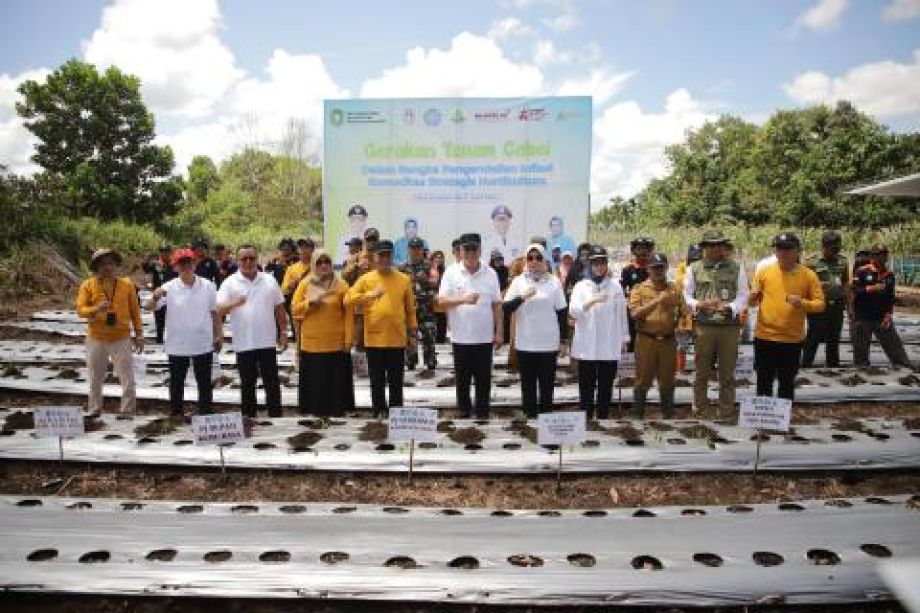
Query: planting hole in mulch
(646, 563)
(275, 556)
(467, 436)
(95, 557)
(342, 447)
(427, 445)
(385, 447)
(700, 431)
(218, 556)
(875, 550)
(590, 443)
(707, 559)
(626, 432)
(676, 441)
(852, 380)
(29, 502)
(334, 557)
(162, 555)
(344, 510)
(446, 426)
(660, 426)
(549, 514)
(841, 438)
(264, 446)
(92, 423)
(841, 504)
(643, 513)
(147, 440)
(913, 502)
(404, 562)
(823, 557)
(293, 508)
(183, 442)
(912, 423)
(511, 446)
(791, 506)
(113, 437)
(595, 513)
(501, 513)
(395, 510)
(693, 512)
(472, 447)
(739, 508)
(767, 558)
(160, 426)
(451, 512)
(583, 560)
(525, 560)
(464, 562)
(190, 508)
(42, 555)
(131, 506)
(245, 509)
(374, 432)
(79, 506)
(878, 500)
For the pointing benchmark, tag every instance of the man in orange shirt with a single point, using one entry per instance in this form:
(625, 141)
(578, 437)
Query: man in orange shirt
(110, 306)
(785, 291)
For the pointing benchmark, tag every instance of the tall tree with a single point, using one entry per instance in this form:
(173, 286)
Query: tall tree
(202, 178)
(95, 137)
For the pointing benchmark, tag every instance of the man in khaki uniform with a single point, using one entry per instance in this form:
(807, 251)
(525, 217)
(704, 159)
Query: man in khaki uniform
(716, 292)
(656, 305)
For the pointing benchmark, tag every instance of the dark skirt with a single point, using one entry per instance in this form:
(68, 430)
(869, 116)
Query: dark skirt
(326, 387)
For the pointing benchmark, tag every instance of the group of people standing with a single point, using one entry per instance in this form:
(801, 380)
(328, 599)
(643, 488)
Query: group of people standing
(381, 311)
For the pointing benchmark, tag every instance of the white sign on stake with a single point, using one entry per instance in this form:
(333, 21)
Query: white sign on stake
(744, 368)
(412, 423)
(563, 428)
(765, 413)
(65, 422)
(626, 367)
(218, 429)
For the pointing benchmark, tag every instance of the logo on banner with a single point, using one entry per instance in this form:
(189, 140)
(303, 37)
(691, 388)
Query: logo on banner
(336, 117)
(432, 117)
(492, 116)
(408, 116)
(566, 114)
(457, 115)
(528, 114)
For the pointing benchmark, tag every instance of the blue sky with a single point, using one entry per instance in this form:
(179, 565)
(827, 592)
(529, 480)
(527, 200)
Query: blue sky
(222, 74)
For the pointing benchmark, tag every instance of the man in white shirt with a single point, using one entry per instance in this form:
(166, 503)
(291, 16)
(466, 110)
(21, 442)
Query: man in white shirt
(503, 237)
(258, 321)
(470, 293)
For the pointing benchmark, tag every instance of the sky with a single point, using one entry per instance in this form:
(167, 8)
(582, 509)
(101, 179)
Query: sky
(221, 75)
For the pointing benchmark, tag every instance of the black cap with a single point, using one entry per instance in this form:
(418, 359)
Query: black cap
(416, 243)
(641, 241)
(694, 253)
(356, 241)
(496, 255)
(286, 243)
(165, 248)
(785, 240)
(357, 209)
(830, 238)
(658, 260)
(597, 253)
(219, 247)
(372, 234)
(501, 209)
(455, 243)
(384, 246)
(200, 243)
(305, 242)
(470, 239)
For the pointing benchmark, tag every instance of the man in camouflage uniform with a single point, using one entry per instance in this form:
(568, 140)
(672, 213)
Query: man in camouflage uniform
(833, 272)
(633, 274)
(417, 268)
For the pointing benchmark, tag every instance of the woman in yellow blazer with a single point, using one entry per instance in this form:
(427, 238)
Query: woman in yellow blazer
(325, 385)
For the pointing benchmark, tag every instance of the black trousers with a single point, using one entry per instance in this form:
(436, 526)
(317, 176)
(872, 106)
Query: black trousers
(325, 383)
(824, 328)
(178, 369)
(862, 330)
(538, 370)
(473, 363)
(596, 375)
(253, 364)
(386, 369)
(159, 322)
(776, 361)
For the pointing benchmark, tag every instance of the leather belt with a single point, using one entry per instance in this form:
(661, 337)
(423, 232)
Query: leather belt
(657, 337)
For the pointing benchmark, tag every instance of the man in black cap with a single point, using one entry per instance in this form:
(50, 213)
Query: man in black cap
(873, 311)
(205, 266)
(160, 270)
(656, 306)
(834, 274)
(278, 266)
(471, 295)
(357, 222)
(390, 326)
(417, 268)
(634, 273)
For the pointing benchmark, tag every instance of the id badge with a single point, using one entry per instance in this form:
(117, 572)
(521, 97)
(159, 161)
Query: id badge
(111, 319)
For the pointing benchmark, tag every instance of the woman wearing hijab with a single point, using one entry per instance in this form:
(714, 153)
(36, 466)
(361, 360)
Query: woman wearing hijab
(325, 386)
(598, 307)
(538, 302)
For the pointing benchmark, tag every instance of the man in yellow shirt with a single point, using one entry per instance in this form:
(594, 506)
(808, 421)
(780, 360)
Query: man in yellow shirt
(786, 292)
(110, 306)
(390, 325)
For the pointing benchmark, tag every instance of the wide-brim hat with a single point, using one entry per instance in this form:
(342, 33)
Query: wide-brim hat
(99, 254)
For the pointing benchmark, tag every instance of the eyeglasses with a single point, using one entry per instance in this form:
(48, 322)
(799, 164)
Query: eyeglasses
(534, 258)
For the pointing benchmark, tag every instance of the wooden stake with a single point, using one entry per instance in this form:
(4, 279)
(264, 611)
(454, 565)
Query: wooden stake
(411, 459)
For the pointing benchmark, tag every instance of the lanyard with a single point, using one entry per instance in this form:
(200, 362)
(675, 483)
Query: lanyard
(111, 298)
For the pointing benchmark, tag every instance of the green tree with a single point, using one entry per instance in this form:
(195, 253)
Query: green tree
(95, 139)
(202, 178)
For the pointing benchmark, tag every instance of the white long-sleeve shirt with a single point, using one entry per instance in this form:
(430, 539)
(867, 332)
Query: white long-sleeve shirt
(737, 305)
(600, 331)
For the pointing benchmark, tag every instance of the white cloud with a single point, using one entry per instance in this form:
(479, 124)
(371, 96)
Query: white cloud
(16, 143)
(901, 10)
(546, 54)
(509, 27)
(823, 15)
(885, 89)
(566, 20)
(173, 46)
(629, 143)
(600, 83)
(472, 66)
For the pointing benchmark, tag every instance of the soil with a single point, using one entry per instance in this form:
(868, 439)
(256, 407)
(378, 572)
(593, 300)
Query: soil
(374, 431)
(467, 436)
(12, 333)
(305, 439)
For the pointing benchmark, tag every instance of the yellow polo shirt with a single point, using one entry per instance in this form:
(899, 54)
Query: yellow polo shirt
(777, 320)
(123, 296)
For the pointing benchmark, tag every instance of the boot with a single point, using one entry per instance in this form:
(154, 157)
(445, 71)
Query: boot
(639, 403)
(667, 404)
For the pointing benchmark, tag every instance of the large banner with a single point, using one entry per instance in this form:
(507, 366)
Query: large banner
(507, 168)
